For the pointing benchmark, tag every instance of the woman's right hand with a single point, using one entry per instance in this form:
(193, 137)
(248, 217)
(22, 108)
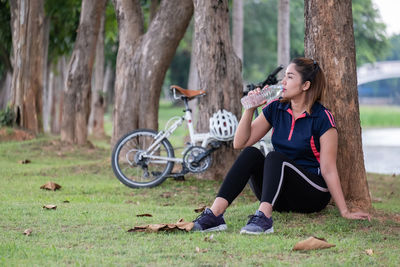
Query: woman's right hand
(254, 92)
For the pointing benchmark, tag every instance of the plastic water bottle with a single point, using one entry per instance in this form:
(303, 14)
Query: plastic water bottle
(267, 93)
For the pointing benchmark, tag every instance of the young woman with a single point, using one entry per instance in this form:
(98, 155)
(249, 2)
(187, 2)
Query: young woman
(300, 175)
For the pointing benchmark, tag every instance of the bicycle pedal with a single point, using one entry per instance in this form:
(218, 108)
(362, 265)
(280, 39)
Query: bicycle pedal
(215, 144)
(179, 178)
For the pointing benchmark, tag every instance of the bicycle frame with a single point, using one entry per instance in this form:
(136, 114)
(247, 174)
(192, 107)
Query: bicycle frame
(154, 155)
(204, 138)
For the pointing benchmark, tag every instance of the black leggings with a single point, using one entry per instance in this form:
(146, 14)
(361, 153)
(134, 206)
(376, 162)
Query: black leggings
(275, 179)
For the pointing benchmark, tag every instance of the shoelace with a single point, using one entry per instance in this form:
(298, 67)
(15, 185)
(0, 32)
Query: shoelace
(253, 218)
(200, 216)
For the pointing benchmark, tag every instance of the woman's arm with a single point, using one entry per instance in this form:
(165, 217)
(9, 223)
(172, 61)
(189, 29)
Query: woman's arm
(249, 131)
(329, 144)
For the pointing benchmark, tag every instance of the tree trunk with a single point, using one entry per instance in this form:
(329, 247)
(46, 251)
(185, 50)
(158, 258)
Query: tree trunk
(5, 89)
(193, 81)
(130, 29)
(27, 82)
(108, 86)
(96, 121)
(153, 9)
(237, 28)
(219, 72)
(56, 96)
(330, 40)
(45, 98)
(283, 33)
(77, 91)
(143, 61)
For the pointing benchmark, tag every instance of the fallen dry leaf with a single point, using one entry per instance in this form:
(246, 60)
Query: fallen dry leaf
(50, 207)
(209, 238)
(144, 215)
(166, 195)
(198, 250)
(180, 225)
(27, 232)
(200, 209)
(25, 161)
(369, 252)
(51, 186)
(312, 243)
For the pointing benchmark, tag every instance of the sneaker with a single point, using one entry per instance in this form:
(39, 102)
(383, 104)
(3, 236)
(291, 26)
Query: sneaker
(208, 222)
(258, 224)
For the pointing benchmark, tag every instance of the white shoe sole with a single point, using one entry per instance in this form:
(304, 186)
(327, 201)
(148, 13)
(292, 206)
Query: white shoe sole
(221, 227)
(269, 231)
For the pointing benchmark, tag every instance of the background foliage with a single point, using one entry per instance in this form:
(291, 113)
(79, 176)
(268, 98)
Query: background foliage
(260, 41)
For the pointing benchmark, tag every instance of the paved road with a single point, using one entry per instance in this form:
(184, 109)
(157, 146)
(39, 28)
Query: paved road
(382, 150)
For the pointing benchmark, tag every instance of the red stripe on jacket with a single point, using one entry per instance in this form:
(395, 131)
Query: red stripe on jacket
(314, 148)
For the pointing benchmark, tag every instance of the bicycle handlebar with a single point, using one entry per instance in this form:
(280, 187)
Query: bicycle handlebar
(271, 79)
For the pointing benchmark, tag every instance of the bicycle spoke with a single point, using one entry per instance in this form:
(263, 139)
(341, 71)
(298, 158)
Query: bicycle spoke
(135, 166)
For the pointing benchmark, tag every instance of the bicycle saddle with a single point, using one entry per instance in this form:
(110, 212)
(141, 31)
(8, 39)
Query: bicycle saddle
(187, 92)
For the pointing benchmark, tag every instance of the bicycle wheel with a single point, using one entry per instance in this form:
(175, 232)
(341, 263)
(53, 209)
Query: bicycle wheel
(135, 170)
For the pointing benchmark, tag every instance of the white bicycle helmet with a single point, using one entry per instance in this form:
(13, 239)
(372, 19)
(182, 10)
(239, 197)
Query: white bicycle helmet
(223, 125)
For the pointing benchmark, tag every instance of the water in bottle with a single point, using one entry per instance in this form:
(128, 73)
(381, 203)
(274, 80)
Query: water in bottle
(267, 93)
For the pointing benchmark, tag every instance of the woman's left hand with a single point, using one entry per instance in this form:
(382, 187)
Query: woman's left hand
(358, 215)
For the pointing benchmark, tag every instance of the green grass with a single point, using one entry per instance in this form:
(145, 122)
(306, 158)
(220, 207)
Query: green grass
(380, 116)
(92, 228)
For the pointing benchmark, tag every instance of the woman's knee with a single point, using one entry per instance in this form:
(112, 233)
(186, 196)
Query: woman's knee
(274, 156)
(251, 151)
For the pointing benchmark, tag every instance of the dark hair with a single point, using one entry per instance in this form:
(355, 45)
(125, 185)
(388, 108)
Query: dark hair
(310, 70)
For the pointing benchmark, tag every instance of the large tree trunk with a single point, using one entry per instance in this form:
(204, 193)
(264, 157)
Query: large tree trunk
(108, 86)
(130, 29)
(77, 91)
(56, 96)
(5, 81)
(5, 89)
(219, 72)
(330, 40)
(96, 120)
(193, 81)
(143, 61)
(237, 28)
(46, 72)
(27, 82)
(283, 33)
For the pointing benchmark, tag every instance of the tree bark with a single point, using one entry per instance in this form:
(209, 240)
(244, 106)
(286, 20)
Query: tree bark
(193, 81)
(219, 72)
(77, 94)
(153, 9)
(330, 40)
(96, 120)
(283, 33)
(143, 61)
(45, 97)
(237, 28)
(56, 96)
(27, 82)
(108, 86)
(5, 89)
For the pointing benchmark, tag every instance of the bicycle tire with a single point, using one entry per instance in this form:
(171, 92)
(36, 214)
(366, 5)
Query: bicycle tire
(124, 164)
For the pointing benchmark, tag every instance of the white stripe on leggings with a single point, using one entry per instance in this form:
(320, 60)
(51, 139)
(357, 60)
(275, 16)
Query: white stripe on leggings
(301, 174)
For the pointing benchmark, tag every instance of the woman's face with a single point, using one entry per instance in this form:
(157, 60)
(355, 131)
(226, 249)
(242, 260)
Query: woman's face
(292, 83)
